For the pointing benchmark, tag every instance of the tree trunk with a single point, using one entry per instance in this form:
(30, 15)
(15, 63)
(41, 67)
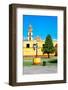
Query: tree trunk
(48, 55)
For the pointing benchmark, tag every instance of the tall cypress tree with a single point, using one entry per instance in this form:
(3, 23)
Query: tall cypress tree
(48, 46)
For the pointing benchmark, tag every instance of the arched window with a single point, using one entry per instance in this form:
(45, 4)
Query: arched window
(27, 45)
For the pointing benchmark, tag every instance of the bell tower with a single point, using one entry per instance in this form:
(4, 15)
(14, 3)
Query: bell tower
(30, 32)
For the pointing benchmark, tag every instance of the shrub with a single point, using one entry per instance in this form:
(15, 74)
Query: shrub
(53, 61)
(44, 63)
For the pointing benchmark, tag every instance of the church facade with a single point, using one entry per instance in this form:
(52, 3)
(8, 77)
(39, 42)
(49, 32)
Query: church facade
(30, 43)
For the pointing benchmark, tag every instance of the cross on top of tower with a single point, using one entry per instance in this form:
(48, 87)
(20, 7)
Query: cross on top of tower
(30, 28)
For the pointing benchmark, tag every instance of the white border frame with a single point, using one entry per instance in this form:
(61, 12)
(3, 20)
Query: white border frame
(41, 77)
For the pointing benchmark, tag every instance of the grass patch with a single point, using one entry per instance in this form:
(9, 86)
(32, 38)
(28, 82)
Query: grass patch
(53, 61)
(28, 61)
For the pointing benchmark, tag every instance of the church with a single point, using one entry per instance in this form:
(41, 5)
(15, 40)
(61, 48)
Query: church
(30, 44)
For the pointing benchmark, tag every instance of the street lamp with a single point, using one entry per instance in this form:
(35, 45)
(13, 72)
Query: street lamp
(36, 48)
(36, 59)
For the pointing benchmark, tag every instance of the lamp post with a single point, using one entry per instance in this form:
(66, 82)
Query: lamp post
(36, 58)
(36, 48)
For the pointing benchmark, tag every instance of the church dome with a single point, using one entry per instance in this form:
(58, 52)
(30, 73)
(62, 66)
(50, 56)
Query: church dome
(38, 38)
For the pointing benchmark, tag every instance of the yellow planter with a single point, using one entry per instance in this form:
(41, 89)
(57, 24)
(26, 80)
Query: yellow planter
(37, 60)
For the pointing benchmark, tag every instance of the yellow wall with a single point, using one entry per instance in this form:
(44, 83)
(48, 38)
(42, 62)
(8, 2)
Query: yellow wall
(30, 51)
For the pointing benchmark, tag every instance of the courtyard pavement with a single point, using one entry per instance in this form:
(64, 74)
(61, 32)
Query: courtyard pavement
(40, 69)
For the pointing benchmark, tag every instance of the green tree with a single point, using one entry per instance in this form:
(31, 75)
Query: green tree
(48, 46)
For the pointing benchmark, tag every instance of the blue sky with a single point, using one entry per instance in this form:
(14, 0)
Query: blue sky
(41, 26)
